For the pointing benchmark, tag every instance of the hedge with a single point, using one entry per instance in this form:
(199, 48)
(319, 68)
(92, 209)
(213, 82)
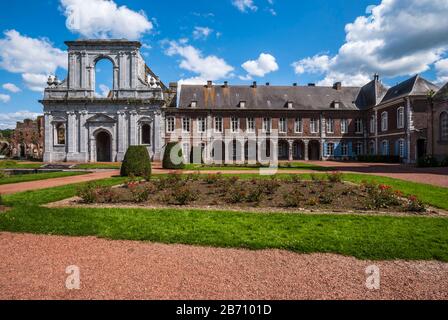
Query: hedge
(178, 161)
(136, 162)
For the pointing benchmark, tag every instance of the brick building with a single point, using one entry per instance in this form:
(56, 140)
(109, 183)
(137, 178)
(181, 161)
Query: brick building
(257, 123)
(27, 141)
(439, 132)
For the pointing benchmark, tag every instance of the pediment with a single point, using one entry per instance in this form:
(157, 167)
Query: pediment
(59, 119)
(101, 118)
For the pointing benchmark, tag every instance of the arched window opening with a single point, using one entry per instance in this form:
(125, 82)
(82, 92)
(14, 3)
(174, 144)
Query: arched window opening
(104, 78)
(146, 134)
(444, 126)
(60, 134)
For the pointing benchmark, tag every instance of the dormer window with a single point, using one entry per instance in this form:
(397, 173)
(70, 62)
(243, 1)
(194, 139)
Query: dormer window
(242, 104)
(194, 104)
(289, 104)
(336, 104)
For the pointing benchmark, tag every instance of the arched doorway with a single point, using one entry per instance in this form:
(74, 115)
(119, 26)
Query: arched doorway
(250, 151)
(103, 147)
(314, 150)
(298, 149)
(235, 150)
(283, 150)
(421, 148)
(219, 151)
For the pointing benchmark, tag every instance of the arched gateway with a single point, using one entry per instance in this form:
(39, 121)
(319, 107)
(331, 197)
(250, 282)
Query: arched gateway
(129, 113)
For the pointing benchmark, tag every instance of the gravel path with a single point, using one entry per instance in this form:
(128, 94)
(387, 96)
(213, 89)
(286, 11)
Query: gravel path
(33, 267)
(56, 182)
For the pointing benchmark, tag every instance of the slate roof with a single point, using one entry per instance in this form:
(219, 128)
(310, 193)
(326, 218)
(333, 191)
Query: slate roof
(370, 94)
(267, 97)
(413, 86)
(442, 94)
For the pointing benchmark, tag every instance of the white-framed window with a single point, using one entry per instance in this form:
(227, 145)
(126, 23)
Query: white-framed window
(194, 104)
(60, 134)
(267, 125)
(372, 124)
(444, 126)
(235, 124)
(283, 125)
(401, 148)
(250, 125)
(384, 121)
(400, 118)
(344, 149)
(330, 149)
(359, 148)
(385, 148)
(314, 125)
(218, 124)
(186, 124)
(202, 125)
(330, 125)
(298, 125)
(170, 124)
(359, 126)
(344, 126)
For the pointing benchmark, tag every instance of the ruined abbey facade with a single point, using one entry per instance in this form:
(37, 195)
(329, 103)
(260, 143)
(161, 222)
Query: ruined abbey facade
(231, 124)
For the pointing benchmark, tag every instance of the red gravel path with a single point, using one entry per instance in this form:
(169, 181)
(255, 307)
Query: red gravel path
(56, 182)
(33, 267)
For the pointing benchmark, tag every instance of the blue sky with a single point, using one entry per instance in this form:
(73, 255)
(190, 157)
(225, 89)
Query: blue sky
(277, 41)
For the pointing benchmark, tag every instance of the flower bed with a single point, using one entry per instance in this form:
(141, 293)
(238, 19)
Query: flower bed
(328, 193)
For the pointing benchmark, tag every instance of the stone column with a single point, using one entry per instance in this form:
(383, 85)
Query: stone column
(133, 128)
(158, 128)
(83, 135)
(48, 146)
(305, 152)
(290, 144)
(121, 137)
(71, 135)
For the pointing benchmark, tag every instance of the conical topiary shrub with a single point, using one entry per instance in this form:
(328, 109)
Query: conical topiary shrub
(136, 162)
(173, 157)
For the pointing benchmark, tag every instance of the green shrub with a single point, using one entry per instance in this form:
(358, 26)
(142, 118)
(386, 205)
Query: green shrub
(293, 199)
(335, 177)
(88, 192)
(444, 162)
(427, 161)
(173, 157)
(183, 195)
(136, 163)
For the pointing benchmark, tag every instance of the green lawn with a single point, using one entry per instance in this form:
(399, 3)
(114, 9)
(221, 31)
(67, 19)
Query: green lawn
(364, 237)
(37, 176)
(88, 166)
(10, 164)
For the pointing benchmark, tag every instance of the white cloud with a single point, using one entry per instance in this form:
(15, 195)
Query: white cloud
(206, 67)
(4, 98)
(245, 5)
(35, 82)
(11, 87)
(9, 120)
(399, 38)
(104, 91)
(33, 58)
(442, 71)
(104, 19)
(265, 64)
(202, 32)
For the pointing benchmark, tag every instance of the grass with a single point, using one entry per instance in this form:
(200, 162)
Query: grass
(88, 166)
(10, 164)
(37, 176)
(364, 237)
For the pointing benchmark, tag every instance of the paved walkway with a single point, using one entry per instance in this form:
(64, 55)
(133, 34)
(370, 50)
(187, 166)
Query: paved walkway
(56, 182)
(34, 267)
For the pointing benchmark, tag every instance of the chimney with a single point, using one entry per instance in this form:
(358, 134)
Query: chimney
(311, 84)
(209, 83)
(337, 86)
(376, 77)
(226, 84)
(268, 84)
(254, 85)
(173, 86)
(294, 84)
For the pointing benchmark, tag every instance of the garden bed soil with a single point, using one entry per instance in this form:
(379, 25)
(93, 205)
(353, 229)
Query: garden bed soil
(247, 195)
